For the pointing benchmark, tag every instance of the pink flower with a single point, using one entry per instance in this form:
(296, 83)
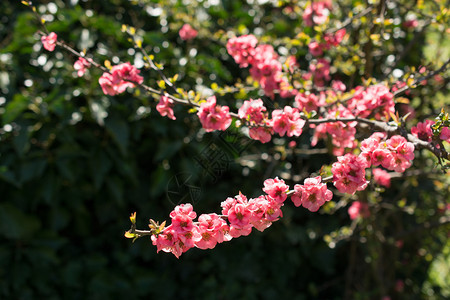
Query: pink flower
(381, 177)
(349, 174)
(187, 32)
(49, 41)
(423, 130)
(376, 99)
(291, 63)
(267, 70)
(238, 214)
(164, 107)
(242, 49)
(287, 121)
(211, 231)
(165, 240)
(264, 211)
(382, 156)
(122, 77)
(81, 65)
(445, 134)
(321, 71)
(316, 13)
(106, 82)
(338, 85)
(334, 39)
(126, 72)
(276, 189)
(253, 111)
(212, 116)
(402, 153)
(359, 209)
(343, 134)
(312, 195)
(315, 48)
(410, 24)
(262, 134)
(182, 217)
(368, 146)
(309, 102)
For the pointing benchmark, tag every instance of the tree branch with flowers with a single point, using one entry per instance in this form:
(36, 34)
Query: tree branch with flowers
(309, 100)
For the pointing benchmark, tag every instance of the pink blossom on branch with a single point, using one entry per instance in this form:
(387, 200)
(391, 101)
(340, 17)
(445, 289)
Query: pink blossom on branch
(212, 230)
(312, 194)
(49, 41)
(126, 72)
(122, 76)
(238, 214)
(315, 48)
(423, 130)
(359, 209)
(316, 13)
(309, 102)
(287, 121)
(81, 65)
(376, 100)
(445, 134)
(254, 112)
(187, 32)
(402, 153)
(276, 189)
(212, 116)
(165, 107)
(334, 39)
(242, 49)
(381, 177)
(349, 174)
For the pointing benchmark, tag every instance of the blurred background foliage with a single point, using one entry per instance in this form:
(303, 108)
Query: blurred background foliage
(75, 163)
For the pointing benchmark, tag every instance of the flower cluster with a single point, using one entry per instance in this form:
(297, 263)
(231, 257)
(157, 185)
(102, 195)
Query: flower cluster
(119, 79)
(239, 216)
(312, 194)
(349, 174)
(254, 112)
(165, 107)
(342, 134)
(213, 116)
(81, 65)
(316, 13)
(394, 154)
(287, 121)
(381, 177)
(374, 99)
(359, 209)
(49, 41)
(187, 32)
(423, 130)
(310, 102)
(242, 49)
(330, 40)
(265, 66)
(445, 134)
(320, 70)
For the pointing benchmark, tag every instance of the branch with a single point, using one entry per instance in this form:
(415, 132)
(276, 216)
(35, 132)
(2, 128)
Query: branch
(350, 20)
(443, 68)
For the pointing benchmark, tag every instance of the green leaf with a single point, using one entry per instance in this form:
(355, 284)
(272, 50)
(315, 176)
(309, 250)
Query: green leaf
(15, 224)
(119, 131)
(32, 169)
(14, 108)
